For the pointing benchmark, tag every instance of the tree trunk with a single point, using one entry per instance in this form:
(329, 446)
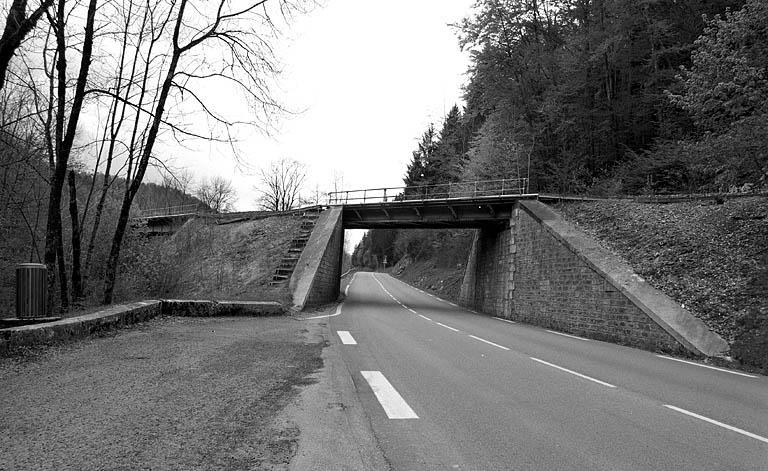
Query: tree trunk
(64, 142)
(62, 266)
(95, 229)
(125, 209)
(53, 237)
(114, 254)
(17, 26)
(77, 286)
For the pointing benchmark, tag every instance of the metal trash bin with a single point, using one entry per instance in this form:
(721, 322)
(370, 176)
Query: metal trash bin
(31, 290)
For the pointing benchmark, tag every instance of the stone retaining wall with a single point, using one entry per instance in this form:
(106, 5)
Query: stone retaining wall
(543, 271)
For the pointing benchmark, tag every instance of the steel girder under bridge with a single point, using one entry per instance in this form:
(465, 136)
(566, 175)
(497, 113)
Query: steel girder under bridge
(450, 205)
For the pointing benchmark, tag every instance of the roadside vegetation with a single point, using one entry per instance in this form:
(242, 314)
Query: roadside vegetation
(712, 258)
(206, 260)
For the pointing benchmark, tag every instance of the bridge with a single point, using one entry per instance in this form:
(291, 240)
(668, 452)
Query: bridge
(525, 264)
(449, 205)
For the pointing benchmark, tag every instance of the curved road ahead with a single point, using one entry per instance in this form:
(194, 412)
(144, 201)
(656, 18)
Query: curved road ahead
(445, 388)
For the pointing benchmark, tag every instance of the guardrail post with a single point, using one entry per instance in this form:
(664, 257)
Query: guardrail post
(365, 193)
(385, 195)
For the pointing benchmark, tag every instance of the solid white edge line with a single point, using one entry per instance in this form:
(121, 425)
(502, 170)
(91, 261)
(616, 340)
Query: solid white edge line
(346, 337)
(566, 335)
(412, 310)
(446, 326)
(391, 401)
(707, 366)
(573, 372)
(503, 320)
(720, 424)
(489, 342)
(351, 280)
(338, 311)
(424, 317)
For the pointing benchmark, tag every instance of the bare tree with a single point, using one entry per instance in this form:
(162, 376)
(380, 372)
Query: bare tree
(65, 119)
(17, 27)
(281, 184)
(218, 193)
(195, 42)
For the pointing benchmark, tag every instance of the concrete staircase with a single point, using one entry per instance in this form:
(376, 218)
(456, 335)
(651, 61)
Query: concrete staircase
(291, 258)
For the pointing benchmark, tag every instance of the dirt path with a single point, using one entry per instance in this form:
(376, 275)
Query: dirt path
(173, 393)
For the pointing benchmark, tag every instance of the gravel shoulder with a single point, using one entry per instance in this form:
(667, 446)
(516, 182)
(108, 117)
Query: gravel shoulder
(172, 393)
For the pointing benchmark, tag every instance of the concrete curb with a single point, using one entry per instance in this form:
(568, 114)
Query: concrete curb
(118, 316)
(687, 329)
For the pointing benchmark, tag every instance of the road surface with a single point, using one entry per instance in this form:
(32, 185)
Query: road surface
(445, 388)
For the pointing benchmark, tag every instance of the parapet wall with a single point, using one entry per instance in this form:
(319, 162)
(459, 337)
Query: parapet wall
(543, 271)
(122, 315)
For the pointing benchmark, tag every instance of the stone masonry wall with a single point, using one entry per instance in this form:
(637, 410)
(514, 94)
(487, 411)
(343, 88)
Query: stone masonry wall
(495, 271)
(530, 272)
(558, 289)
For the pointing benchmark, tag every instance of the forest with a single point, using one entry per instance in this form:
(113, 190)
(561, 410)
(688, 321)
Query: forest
(599, 97)
(93, 93)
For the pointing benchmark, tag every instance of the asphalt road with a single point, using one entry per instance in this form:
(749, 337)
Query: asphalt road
(445, 388)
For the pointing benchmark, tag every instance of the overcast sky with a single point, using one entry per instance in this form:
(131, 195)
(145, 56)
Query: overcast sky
(367, 78)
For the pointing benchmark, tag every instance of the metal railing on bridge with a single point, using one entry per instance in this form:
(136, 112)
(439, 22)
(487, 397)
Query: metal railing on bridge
(170, 211)
(442, 191)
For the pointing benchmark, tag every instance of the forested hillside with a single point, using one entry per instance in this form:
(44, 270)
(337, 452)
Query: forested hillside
(602, 97)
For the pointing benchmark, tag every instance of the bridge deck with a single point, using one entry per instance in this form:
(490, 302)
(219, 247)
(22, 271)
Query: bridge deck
(440, 213)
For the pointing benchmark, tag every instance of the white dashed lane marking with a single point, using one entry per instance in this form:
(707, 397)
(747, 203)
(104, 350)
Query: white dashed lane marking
(489, 342)
(346, 337)
(446, 326)
(719, 424)
(391, 401)
(574, 373)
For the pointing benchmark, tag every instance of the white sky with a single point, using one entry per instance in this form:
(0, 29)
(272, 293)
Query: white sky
(367, 78)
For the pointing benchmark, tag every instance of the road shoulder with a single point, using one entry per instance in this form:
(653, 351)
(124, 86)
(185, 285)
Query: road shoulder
(335, 431)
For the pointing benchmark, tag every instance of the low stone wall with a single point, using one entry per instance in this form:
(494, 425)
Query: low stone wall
(78, 327)
(543, 271)
(205, 308)
(113, 317)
